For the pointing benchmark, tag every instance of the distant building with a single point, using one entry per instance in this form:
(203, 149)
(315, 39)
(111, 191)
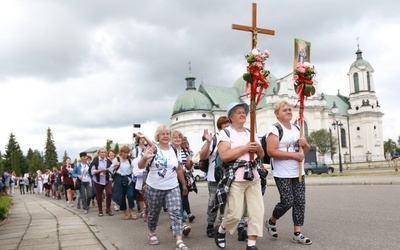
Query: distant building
(361, 135)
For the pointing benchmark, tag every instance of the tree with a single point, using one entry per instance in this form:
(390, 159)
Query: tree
(35, 161)
(15, 163)
(116, 148)
(108, 144)
(13, 147)
(50, 153)
(389, 145)
(65, 156)
(323, 141)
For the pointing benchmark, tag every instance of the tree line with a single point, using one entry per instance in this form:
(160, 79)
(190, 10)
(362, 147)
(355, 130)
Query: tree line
(14, 160)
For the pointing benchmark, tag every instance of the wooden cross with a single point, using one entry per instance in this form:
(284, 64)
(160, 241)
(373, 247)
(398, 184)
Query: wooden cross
(254, 31)
(253, 28)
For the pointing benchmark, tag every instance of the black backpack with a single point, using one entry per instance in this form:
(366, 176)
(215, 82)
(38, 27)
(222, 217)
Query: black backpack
(203, 164)
(263, 141)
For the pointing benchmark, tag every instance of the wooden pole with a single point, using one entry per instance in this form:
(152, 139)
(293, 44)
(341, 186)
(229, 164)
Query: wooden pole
(301, 120)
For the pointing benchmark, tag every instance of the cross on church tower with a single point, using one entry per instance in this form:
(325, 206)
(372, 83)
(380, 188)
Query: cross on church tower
(253, 28)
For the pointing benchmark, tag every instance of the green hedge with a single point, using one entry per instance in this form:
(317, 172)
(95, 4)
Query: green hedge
(5, 202)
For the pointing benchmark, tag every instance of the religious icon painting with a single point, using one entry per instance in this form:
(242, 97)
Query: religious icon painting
(302, 49)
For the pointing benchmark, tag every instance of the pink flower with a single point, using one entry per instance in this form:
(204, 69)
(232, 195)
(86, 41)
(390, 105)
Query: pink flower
(306, 65)
(266, 52)
(301, 70)
(259, 64)
(299, 65)
(296, 77)
(258, 57)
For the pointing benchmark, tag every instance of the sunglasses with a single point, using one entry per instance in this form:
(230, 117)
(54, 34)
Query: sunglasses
(145, 145)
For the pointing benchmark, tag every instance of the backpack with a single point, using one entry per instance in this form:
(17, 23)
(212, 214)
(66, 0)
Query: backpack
(203, 164)
(263, 141)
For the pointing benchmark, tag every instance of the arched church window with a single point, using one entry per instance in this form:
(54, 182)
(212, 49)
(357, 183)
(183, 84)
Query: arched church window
(368, 81)
(343, 138)
(305, 127)
(356, 84)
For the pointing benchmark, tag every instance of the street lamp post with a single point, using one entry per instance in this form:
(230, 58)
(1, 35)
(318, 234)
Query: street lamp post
(338, 124)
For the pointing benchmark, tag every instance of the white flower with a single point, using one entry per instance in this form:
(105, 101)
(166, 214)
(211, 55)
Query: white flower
(255, 52)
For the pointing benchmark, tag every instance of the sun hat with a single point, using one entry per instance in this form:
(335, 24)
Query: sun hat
(234, 105)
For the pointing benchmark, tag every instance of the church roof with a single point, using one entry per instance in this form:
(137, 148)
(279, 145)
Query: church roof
(220, 96)
(191, 100)
(339, 102)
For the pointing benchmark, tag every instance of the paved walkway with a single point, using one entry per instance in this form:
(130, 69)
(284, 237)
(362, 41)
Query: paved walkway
(36, 222)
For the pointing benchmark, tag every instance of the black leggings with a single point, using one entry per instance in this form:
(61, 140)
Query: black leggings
(293, 195)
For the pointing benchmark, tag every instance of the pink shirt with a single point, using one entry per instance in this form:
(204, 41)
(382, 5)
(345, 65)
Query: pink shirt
(237, 139)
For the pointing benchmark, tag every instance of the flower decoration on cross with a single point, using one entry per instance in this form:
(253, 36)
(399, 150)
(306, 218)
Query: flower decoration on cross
(303, 76)
(256, 75)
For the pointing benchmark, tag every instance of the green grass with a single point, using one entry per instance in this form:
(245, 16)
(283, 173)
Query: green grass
(5, 202)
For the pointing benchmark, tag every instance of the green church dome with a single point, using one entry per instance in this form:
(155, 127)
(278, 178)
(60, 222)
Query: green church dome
(360, 63)
(191, 100)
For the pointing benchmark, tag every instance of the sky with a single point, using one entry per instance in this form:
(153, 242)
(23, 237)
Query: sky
(89, 70)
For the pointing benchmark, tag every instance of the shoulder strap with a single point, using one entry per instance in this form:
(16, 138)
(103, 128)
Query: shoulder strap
(280, 130)
(214, 143)
(227, 132)
(118, 159)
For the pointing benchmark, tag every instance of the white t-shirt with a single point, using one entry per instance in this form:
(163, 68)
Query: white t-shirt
(238, 139)
(288, 143)
(125, 168)
(165, 163)
(211, 160)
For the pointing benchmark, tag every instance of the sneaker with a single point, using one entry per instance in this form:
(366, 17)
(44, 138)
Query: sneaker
(116, 207)
(85, 211)
(242, 234)
(301, 239)
(186, 230)
(191, 217)
(272, 231)
(210, 231)
(78, 206)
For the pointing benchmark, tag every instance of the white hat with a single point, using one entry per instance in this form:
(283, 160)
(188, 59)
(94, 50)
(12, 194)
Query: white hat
(234, 105)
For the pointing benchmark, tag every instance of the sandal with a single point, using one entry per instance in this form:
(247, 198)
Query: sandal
(133, 216)
(186, 230)
(126, 216)
(219, 238)
(153, 240)
(181, 246)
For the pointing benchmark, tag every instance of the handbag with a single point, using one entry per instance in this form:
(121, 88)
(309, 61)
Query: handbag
(203, 165)
(78, 183)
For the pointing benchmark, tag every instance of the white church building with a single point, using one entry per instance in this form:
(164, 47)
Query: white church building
(361, 137)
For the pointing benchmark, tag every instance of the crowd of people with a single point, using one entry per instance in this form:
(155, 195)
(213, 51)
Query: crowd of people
(157, 175)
